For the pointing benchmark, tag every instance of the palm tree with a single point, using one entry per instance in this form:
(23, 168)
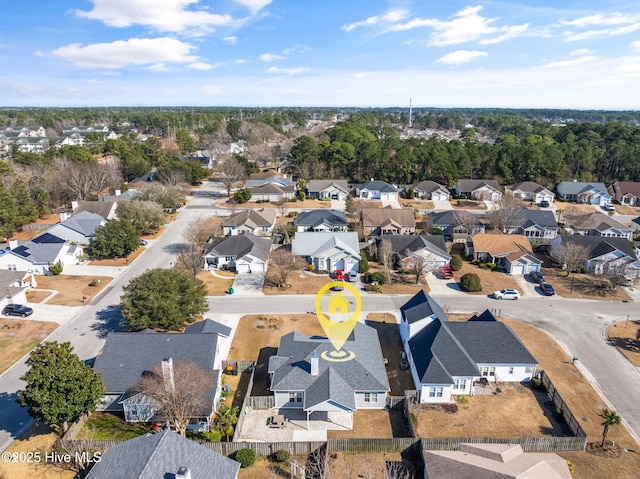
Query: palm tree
(611, 418)
(226, 418)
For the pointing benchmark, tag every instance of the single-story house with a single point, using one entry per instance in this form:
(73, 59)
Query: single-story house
(377, 190)
(457, 225)
(430, 190)
(584, 192)
(243, 253)
(303, 375)
(78, 228)
(531, 191)
(595, 224)
(272, 192)
(540, 226)
(128, 357)
(321, 220)
(429, 248)
(388, 221)
(163, 455)
(447, 358)
(328, 251)
(635, 224)
(258, 222)
(333, 189)
(512, 252)
(269, 177)
(14, 286)
(204, 158)
(36, 255)
(482, 190)
(626, 192)
(504, 461)
(605, 255)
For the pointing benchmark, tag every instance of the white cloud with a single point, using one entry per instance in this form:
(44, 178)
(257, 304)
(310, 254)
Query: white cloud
(254, 5)
(605, 32)
(269, 57)
(635, 46)
(232, 40)
(296, 49)
(212, 90)
(169, 16)
(240, 61)
(600, 19)
(201, 66)
(461, 56)
(570, 63)
(388, 18)
(288, 71)
(158, 67)
(135, 51)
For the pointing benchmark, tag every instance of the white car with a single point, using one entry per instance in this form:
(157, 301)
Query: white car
(507, 294)
(352, 277)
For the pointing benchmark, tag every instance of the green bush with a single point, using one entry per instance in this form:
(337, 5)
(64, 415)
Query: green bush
(281, 455)
(536, 383)
(246, 457)
(463, 399)
(213, 436)
(94, 282)
(471, 282)
(363, 265)
(292, 214)
(491, 266)
(55, 269)
(436, 231)
(476, 261)
(242, 196)
(377, 278)
(456, 262)
(373, 288)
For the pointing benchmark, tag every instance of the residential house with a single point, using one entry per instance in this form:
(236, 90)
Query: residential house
(321, 220)
(428, 248)
(377, 190)
(457, 225)
(511, 252)
(106, 209)
(539, 226)
(481, 190)
(328, 251)
(388, 221)
(257, 222)
(36, 255)
(531, 191)
(430, 190)
(331, 189)
(78, 228)
(269, 177)
(447, 358)
(304, 375)
(605, 255)
(128, 357)
(243, 253)
(203, 157)
(595, 224)
(163, 455)
(635, 224)
(504, 461)
(272, 192)
(584, 192)
(14, 286)
(626, 192)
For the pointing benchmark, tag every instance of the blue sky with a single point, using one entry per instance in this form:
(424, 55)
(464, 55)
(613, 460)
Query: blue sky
(527, 54)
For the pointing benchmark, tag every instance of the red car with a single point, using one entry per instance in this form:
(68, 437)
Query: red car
(338, 275)
(446, 272)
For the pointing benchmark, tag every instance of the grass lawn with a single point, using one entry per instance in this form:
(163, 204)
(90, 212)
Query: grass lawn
(71, 289)
(107, 426)
(416, 203)
(491, 280)
(217, 286)
(624, 335)
(301, 282)
(374, 423)
(584, 286)
(125, 261)
(627, 210)
(18, 337)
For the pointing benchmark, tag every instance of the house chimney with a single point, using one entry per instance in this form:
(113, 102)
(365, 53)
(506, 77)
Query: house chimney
(167, 374)
(13, 244)
(183, 473)
(63, 216)
(315, 363)
(74, 205)
(118, 192)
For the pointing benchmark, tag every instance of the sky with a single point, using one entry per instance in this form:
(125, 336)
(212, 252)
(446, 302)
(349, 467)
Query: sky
(363, 53)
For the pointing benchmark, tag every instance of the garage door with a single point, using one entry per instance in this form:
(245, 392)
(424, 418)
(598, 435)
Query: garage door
(517, 269)
(242, 268)
(532, 267)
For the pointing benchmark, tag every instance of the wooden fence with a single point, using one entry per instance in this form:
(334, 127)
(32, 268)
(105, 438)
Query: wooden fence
(529, 444)
(244, 410)
(261, 402)
(265, 449)
(569, 418)
(75, 428)
(240, 365)
(358, 445)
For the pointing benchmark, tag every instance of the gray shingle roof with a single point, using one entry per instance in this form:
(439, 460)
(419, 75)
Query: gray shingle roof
(315, 243)
(336, 381)
(102, 208)
(39, 253)
(421, 306)
(254, 218)
(374, 217)
(525, 217)
(454, 218)
(528, 186)
(315, 186)
(84, 222)
(467, 186)
(378, 185)
(576, 187)
(239, 246)
(429, 186)
(208, 326)
(598, 221)
(157, 456)
(334, 218)
(407, 244)
(599, 245)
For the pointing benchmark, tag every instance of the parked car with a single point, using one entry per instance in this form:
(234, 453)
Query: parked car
(17, 310)
(536, 277)
(626, 282)
(507, 293)
(608, 207)
(547, 289)
(144, 242)
(338, 275)
(543, 204)
(338, 287)
(446, 272)
(353, 276)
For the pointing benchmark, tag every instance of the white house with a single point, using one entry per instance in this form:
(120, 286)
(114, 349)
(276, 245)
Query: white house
(257, 222)
(35, 256)
(430, 190)
(331, 189)
(244, 253)
(377, 190)
(482, 190)
(584, 192)
(78, 228)
(14, 285)
(531, 191)
(328, 251)
(321, 220)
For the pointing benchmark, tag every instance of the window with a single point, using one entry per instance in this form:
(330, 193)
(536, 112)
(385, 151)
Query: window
(371, 397)
(295, 397)
(12, 267)
(436, 392)
(488, 371)
(459, 384)
(511, 369)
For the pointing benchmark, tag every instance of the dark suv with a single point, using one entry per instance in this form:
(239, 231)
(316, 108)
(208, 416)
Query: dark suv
(536, 277)
(17, 310)
(543, 204)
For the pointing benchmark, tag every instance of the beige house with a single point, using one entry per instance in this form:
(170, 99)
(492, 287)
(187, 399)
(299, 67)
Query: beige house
(511, 252)
(388, 221)
(258, 222)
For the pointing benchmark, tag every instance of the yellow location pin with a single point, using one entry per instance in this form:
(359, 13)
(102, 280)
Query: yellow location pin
(338, 332)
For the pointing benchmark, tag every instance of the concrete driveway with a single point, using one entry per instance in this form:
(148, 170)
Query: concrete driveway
(442, 287)
(248, 284)
(442, 205)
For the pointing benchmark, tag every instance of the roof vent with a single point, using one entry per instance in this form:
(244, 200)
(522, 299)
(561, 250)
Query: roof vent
(183, 473)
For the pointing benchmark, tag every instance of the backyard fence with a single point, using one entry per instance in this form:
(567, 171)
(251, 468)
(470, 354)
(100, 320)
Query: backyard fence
(362, 445)
(75, 428)
(265, 449)
(529, 444)
(261, 402)
(240, 366)
(395, 402)
(568, 416)
(243, 411)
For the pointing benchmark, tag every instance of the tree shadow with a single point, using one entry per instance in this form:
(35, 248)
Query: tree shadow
(398, 421)
(558, 428)
(108, 320)
(16, 417)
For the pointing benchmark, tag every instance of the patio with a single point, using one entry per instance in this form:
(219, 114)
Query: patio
(257, 425)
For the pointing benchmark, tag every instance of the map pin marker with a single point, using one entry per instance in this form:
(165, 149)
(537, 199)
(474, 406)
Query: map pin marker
(338, 305)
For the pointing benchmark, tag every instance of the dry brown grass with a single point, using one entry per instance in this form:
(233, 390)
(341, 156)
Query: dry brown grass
(401, 283)
(118, 261)
(344, 465)
(575, 208)
(416, 203)
(372, 423)
(216, 286)
(71, 289)
(26, 234)
(467, 205)
(623, 335)
(585, 286)
(491, 280)
(35, 296)
(18, 337)
(301, 282)
(627, 210)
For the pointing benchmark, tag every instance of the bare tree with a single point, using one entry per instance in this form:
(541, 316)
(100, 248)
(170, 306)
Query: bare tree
(283, 230)
(506, 212)
(570, 255)
(282, 262)
(419, 264)
(618, 271)
(196, 234)
(178, 391)
(172, 177)
(233, 172)
(385, 257)
(81, 180)
(282, 206)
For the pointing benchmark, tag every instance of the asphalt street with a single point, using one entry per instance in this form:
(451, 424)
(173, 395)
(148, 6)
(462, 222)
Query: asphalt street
(578, 325)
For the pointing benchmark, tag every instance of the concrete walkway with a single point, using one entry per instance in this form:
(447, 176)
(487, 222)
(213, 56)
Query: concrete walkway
(248, 284)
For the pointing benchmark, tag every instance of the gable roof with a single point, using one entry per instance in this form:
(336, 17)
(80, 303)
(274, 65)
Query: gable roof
(39, 253)
(576, 187)
(500, 244)
(312, 244)
(7, 280)
(528, 186)
(336, 381)
(314, 186)
(454, 218)
(252, 218)
(601, 245)
(421, 306)
(406, 244)
(102, 208)
(467, 186)
(84, 222)
(378, 185)
(524, 217)
(374, 217)
(429, 186)
(160, 455)
(126, 356)
(597, 221)
(323, 216)
(239, 246)
(622, 188)
(208, 326)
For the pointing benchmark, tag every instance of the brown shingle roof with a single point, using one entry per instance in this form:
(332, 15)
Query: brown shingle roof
(373, 217)
(501, 245)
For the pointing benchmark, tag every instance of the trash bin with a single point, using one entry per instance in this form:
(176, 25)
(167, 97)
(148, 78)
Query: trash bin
(230, 290)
